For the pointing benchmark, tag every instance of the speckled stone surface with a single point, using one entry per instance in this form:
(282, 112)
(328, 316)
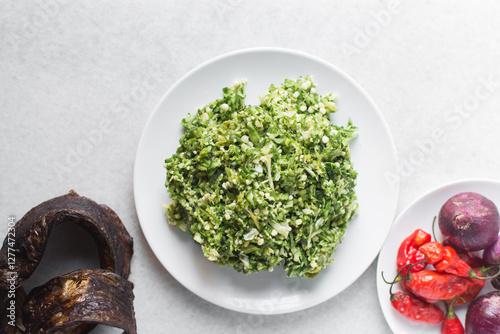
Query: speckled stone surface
(78, 80)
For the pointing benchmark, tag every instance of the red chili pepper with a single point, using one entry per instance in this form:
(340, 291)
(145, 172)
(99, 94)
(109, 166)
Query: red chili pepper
(472, 260)
(413, 307)
(451, 323)
(474, 290)
(408, 252)
(433, 252)
(452, 263)
(446, 259)
(416, 309)
(433, 286)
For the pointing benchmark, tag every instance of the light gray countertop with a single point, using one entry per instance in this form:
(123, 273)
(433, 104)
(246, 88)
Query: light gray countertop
(78, 80)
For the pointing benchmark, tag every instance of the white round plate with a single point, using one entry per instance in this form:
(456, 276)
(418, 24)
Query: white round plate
(420, 214)
(373, 156)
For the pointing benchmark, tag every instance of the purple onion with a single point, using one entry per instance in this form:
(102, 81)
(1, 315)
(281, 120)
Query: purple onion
(491, 255)
(483, 314)
(469, 221)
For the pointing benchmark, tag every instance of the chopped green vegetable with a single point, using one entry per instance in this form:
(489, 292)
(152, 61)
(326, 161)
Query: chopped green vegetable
(267, 185)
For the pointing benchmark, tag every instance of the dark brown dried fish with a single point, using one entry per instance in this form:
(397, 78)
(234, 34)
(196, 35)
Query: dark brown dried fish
(71, 302)
(32, 232)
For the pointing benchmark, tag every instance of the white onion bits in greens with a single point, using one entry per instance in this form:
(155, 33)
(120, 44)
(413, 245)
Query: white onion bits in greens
(267, 185)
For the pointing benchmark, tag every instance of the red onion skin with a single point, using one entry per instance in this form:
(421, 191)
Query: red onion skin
(491, 255)
(483, 314)
(469, 221)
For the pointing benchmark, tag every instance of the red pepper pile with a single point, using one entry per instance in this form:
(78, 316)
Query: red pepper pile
(456, 278)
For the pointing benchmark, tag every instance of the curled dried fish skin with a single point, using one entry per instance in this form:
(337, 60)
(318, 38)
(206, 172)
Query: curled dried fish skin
(77, 301)
(115, 245)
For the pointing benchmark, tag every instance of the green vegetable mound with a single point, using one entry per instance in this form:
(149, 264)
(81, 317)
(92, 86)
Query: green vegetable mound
(260, 186)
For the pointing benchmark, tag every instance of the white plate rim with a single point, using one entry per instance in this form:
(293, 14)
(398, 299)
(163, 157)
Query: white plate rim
(360, 90)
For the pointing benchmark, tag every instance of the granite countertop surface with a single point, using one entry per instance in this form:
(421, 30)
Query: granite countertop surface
(79, 79)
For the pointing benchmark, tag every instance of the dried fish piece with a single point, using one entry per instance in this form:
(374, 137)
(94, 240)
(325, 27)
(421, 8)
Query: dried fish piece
(32, 232)
(73, 302)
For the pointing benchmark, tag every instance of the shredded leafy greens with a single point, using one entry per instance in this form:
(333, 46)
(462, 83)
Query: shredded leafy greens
(267, 185)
